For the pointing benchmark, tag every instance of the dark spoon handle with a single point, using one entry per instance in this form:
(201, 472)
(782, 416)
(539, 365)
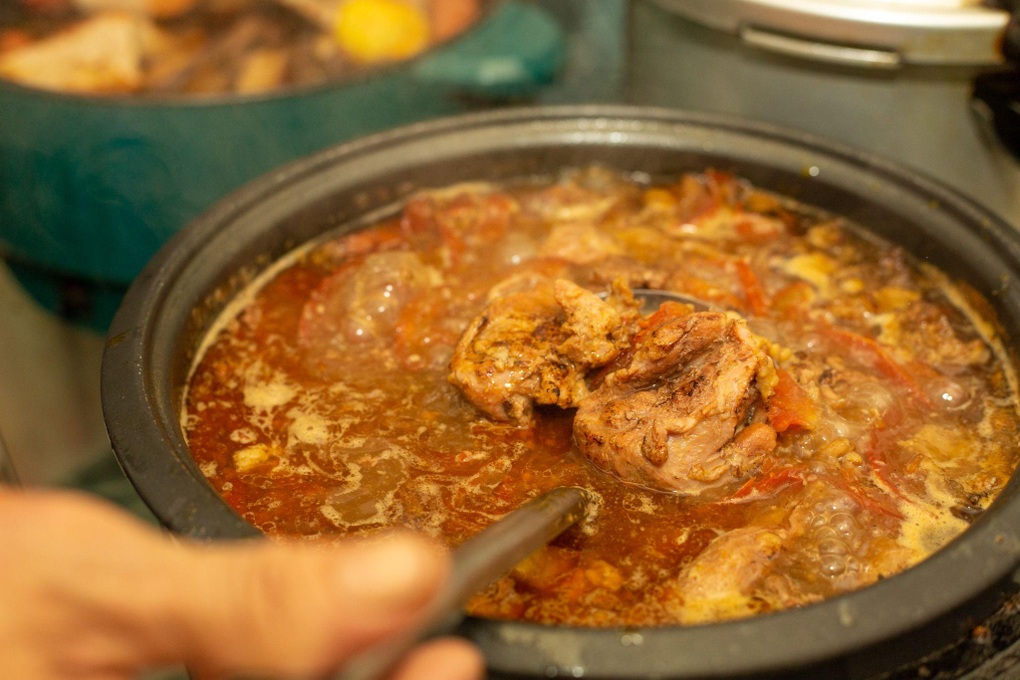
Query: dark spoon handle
(477, 562)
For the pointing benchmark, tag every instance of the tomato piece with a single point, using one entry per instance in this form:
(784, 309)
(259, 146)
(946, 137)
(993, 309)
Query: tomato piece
(873, 503)
(755, 228)
(370, 241)
(868, 352)
(790, 407)
(666, 312)
(879, 465)
(769, 484)
(794, 300)
(459, 222)
(754, 293)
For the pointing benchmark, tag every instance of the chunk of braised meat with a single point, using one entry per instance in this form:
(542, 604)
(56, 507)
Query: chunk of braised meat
(102, 54)
(720, 582)
(714, 206)
(584, 195)
(598, 258)
(535, 347)
(463, 218)
(925, 330)
(686, 411)
(835, 538)
(579, 243)
(636, 274)
(356, 311)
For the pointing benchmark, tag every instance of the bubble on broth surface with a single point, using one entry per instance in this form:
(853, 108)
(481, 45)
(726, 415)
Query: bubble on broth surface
(372, 500)
(308, 428)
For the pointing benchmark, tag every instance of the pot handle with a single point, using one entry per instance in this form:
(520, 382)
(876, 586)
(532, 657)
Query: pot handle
(512, 53)
(813, 50)
(1011, 37)
(997, 93)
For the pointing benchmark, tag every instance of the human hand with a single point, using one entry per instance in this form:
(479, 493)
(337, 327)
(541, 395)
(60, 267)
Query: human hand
(89, 592)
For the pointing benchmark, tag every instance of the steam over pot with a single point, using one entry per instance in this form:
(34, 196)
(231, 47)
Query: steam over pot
(897, 621)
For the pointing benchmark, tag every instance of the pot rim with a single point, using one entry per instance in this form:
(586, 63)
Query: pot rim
(898, 619)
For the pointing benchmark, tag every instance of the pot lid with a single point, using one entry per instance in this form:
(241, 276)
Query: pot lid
(877, 33)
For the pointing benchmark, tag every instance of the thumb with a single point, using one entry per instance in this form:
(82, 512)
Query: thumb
(298, 609)
(90, 592)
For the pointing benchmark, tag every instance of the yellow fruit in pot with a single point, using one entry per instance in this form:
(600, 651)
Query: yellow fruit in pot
(372, 31)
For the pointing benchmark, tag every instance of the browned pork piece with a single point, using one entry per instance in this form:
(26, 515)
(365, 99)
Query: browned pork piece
(104, 53)
(536, 346)
(685, 413)
(724, 581)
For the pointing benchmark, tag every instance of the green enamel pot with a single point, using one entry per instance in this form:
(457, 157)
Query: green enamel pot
(91, 187)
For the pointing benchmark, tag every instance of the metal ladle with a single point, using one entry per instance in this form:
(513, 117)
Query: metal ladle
(476, 563)
(652, 298)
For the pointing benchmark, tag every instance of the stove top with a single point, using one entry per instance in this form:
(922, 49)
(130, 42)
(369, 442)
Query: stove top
(990, 652)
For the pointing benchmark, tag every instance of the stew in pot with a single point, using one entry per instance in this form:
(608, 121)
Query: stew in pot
(838, 412)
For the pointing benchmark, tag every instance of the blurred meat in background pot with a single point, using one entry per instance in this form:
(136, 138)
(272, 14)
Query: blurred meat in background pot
(217, 46)
(924, 82)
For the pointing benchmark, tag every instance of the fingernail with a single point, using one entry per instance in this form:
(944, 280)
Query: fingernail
(393, 571)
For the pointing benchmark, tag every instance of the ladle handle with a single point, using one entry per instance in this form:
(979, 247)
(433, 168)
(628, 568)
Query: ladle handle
(1011, 36)
(477, 562)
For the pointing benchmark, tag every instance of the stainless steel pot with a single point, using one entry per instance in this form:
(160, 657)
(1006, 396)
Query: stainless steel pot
(898, 621)
(893, 76)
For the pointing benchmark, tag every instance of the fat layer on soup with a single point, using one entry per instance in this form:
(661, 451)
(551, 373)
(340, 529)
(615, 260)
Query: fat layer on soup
(835, 414)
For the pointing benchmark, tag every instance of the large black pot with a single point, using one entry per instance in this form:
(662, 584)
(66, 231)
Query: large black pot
(154, 335)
